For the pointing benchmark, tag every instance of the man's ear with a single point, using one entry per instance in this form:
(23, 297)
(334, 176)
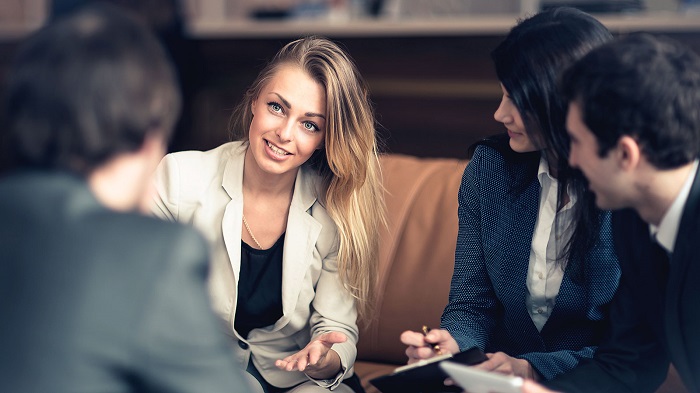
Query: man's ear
(628, 153)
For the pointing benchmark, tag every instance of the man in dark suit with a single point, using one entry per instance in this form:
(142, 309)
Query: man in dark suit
(634, 122)
(95, 297)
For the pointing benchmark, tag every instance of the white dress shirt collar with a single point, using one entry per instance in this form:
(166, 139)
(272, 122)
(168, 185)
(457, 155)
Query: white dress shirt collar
(545, 179)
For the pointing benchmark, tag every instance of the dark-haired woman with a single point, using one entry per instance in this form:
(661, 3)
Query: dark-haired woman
(534, 267)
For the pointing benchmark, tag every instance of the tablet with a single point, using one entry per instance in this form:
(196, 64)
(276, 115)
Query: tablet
(479, 381)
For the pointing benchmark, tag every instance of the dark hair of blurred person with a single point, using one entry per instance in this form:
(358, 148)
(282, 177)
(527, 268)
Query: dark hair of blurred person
(82, 94)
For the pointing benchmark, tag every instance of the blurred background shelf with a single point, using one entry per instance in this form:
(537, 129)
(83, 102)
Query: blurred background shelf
(660, 21)
(475, 25)
(431, 79)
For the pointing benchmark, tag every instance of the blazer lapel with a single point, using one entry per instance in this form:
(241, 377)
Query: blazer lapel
(233, 214)
(524, 216)
(572, 304)
(300, 237)
(684, 254)
(299, 243)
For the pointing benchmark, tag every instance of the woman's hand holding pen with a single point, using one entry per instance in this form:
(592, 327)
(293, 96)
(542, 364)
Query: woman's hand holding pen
(426, 345)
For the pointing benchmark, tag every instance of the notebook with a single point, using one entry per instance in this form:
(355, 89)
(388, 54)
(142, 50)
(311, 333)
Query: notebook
(426, 376)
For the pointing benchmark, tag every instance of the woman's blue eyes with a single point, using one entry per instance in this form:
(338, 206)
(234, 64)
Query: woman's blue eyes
(277, 108)
(311, 126)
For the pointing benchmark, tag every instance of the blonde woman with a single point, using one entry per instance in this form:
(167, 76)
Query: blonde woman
(292, 211)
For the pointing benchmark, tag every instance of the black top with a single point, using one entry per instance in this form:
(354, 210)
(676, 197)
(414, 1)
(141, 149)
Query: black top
(259, 287)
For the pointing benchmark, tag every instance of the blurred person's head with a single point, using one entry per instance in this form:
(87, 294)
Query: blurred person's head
(633, 104)
(87, 91)
(86, 88)
(528, 63)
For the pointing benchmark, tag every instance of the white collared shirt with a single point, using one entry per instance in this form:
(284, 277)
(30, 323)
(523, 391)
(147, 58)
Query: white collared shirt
(544, 274)
(667, 230)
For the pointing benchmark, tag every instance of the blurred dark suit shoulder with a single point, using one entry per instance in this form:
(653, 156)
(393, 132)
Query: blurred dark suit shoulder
(94, 300)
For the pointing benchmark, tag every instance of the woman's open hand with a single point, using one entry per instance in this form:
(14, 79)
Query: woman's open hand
(317, 359)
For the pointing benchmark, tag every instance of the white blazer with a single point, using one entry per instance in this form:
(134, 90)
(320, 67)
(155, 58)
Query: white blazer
(204, 189)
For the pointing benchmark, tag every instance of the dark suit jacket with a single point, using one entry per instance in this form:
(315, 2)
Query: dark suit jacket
(656, 313)
(97, 301)
(498, 208)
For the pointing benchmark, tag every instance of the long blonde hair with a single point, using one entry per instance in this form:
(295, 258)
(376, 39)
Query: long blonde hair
(348, 164)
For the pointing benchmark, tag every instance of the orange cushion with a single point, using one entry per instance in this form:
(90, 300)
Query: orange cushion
(416, 253)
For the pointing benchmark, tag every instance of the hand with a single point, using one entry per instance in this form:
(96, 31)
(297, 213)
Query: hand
(534, 387)
(317, 359)
(421, 346)
(501, 363)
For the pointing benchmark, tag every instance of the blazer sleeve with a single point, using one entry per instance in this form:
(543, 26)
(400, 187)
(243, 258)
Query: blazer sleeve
(179, 345)
(334, 311)
(469, 314)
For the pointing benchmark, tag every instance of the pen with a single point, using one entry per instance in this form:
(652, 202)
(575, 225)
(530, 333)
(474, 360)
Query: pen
(436, 347)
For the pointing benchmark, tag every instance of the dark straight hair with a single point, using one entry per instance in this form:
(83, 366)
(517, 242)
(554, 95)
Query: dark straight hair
(528, 64)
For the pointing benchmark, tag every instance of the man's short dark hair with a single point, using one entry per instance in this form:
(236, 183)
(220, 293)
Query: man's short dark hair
(645, 87)
(86, 88)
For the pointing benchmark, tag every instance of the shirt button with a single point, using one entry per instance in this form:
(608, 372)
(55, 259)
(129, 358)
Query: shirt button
(540, 311)
(244, 345)
(540, 275)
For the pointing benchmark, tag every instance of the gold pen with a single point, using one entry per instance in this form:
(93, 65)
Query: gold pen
(436, 347)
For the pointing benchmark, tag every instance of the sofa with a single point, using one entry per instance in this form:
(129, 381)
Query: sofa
(416, 261)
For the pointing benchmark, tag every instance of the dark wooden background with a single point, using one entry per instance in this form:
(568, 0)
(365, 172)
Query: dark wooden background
(433, 96)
